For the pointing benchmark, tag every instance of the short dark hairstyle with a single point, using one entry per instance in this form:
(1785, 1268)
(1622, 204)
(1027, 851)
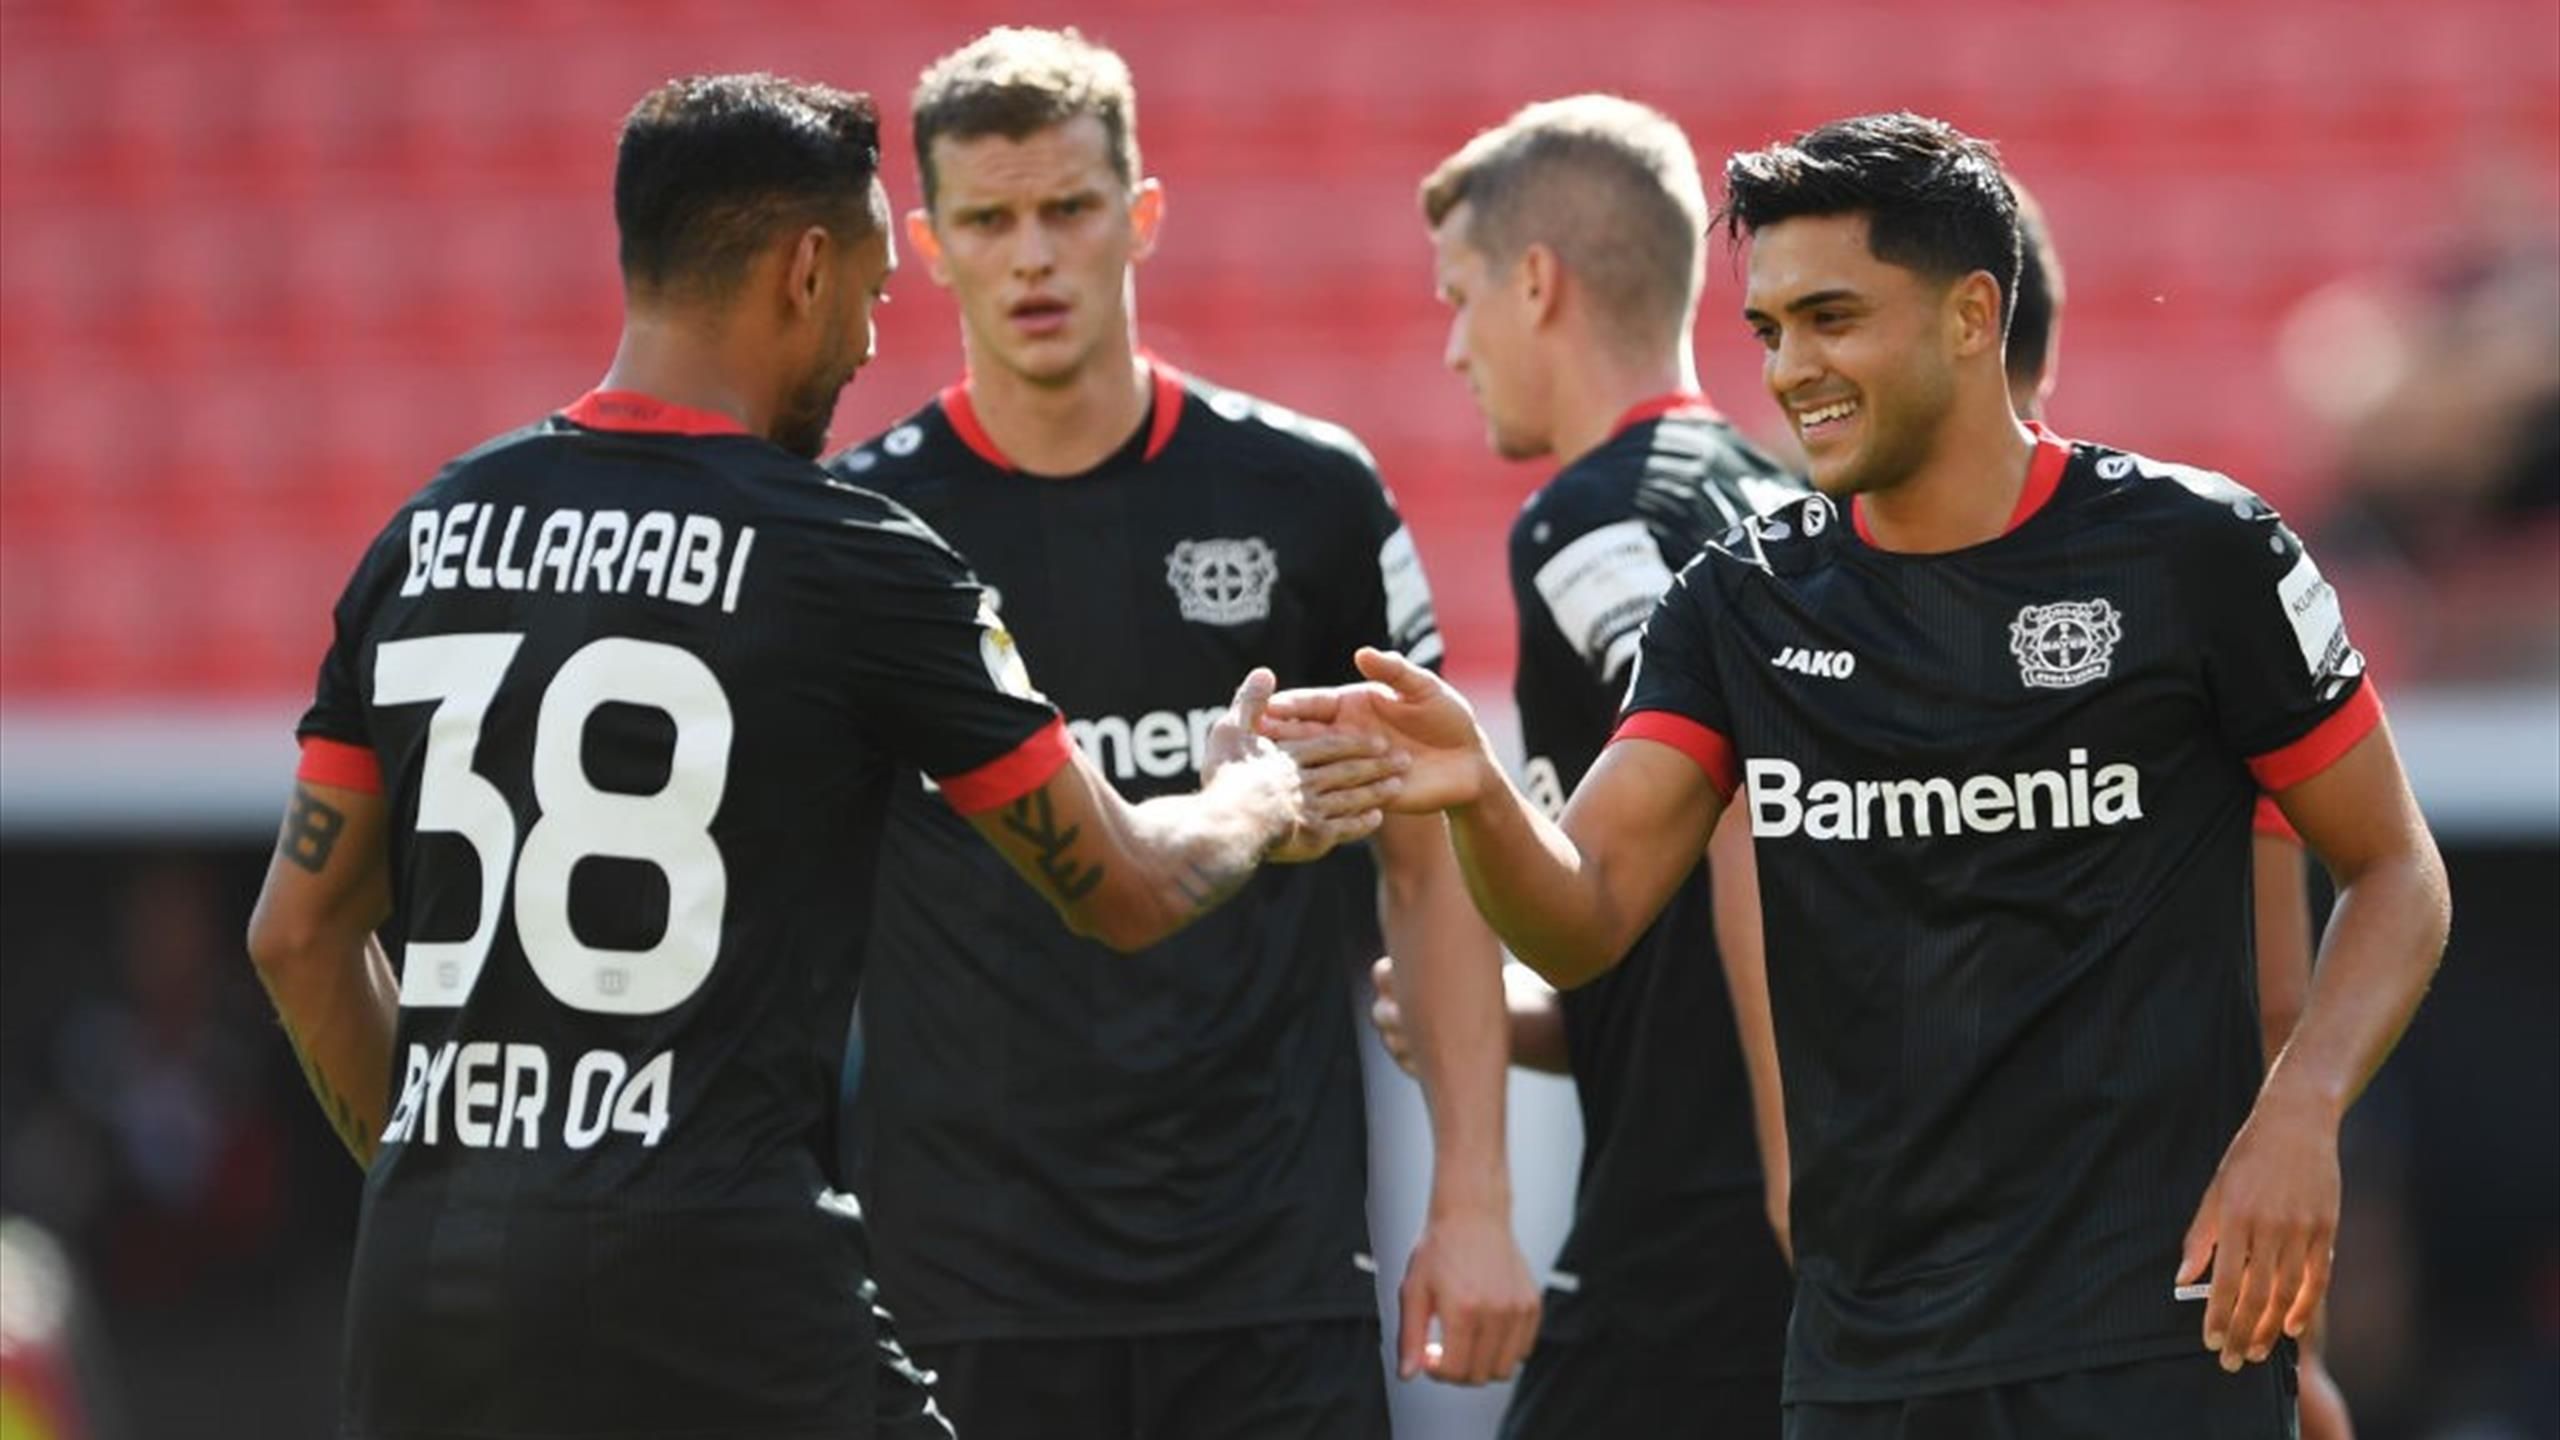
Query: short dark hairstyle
(2039, 305)
(1608, 184)
(1935, 198)
(1016, 82)
(711, 166)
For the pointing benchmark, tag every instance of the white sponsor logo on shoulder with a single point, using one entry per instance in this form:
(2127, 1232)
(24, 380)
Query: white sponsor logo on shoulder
(1412, 625)
(2319, 626)
(2065, 644)
(902, 441)
(1600, 587)
(1222, 582)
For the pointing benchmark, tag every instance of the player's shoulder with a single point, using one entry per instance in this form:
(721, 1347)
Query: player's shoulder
(2194, 510)
(921, 445)
(1254, 429)
(1791, 539)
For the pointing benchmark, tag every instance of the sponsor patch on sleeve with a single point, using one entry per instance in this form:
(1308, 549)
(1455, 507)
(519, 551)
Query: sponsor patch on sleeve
(1601, 587)
(2319, 626)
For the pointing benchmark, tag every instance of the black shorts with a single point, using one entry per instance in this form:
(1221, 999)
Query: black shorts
(1572, 1389)
(1298, 1380)
(2186, 1396)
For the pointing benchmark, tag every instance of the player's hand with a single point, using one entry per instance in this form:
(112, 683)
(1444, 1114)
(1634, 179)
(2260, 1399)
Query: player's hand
(1468, 1273)
(1388, 1016)
(1417, 712)
(1329, 787)
(2266, 1227)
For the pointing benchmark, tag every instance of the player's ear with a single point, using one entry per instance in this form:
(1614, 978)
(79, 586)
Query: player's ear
(927, 245)
(1538, 278)
(805, 269)
(1146, 217)
(1973, 315)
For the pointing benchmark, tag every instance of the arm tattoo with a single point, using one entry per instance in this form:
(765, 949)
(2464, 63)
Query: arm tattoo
(311, 830)
(342, 1116)
(1032, 818)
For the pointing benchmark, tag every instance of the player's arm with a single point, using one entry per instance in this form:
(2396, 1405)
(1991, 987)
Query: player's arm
(312, 938)
(1534, 1019)
(1568, 897)
(2283, 925)
(1467, 1270)
(2269, 1219)
(1132, 875)
(1734, 873)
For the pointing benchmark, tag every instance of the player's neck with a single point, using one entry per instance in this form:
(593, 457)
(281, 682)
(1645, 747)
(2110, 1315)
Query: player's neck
(670, 358)
(1595, 392)
(1963, 495)
(1066, 428)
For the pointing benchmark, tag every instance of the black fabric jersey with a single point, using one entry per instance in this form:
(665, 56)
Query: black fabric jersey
(1670, 1242)
(1055, 1139)
(2001, 800)
(636, 689)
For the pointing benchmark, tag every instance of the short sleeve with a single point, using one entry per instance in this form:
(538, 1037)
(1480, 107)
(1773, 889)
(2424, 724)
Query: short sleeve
(1396, 614)
(938, 680)
(336, 731)
(2288, 687)
(1673, 697)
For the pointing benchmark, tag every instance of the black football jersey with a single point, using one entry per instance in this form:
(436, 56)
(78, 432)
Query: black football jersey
(2001, 799)
(1055, 1139)
(1670, 1241)
(637, 684)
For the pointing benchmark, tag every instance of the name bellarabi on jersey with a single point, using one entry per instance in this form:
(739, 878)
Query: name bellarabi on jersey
(689, 559)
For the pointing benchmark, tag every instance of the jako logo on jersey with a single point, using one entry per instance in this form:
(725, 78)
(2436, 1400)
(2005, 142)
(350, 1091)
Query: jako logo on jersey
(1829, 664)
(2073, 799)
(2067, 643)
(1222, 582)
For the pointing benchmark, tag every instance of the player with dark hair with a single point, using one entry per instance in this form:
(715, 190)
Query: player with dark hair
(2282, 902)
(2002, 820)
(1568, 244)
(601, 749)
(1139, 1190)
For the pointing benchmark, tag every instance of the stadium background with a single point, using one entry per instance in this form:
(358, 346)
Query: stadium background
(265, 263)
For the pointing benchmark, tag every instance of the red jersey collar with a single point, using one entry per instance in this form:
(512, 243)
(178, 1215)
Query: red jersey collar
(1167, 408)
(2044, 476)
(1683, 402)
(631, 412)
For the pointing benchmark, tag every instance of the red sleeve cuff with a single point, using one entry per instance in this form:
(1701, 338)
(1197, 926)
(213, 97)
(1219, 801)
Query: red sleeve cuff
(2270, 822)
(1012, 775)
(1712, 751)
(335, 762)
(2284, 768)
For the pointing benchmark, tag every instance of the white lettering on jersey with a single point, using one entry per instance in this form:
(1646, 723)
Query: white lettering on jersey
(663, 555)
(1828, 664)
(1159, 743)
(1600, 587)
(2065, 644)
(1222, 582)
(1412, 625)
(2319, 626)
(1928, 807)
(488, 1095)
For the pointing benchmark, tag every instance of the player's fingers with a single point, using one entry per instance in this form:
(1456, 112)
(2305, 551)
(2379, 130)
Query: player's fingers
(2274, 1285)
(1408, 680)
(1413, 1325)
(1359, 770)
(2305, 1309)
(2229, 1259)
(1519, 1332)
(1346, 829)
(1461, 1359)
(1317, 704)
(2196, 1251)
(2252, 1271)
(1355, 799)
(1320, 745)
(1382, 976)
(1252, 697)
